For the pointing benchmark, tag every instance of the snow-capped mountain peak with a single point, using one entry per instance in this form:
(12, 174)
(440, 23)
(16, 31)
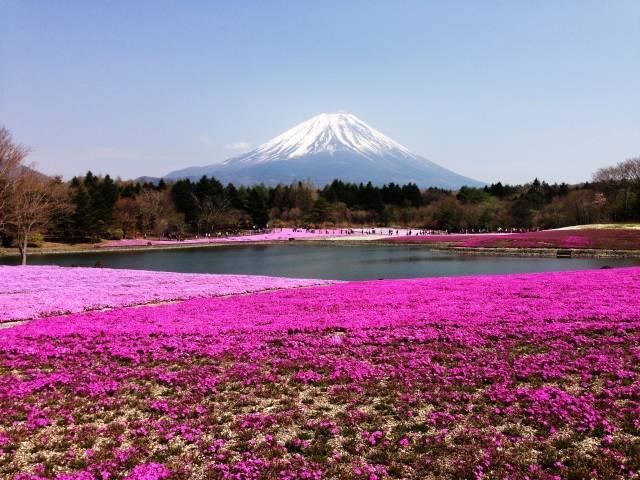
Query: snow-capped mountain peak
(326, 147)
(326, 133)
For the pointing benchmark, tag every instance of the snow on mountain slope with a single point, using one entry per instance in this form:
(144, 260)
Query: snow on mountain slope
(324, 133)
(326, 147)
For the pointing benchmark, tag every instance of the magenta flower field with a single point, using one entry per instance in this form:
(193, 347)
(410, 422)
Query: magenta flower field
(278, 234)
(614, 239)
(457, 239)
(35, 291)
(600, 238)
(531, 376)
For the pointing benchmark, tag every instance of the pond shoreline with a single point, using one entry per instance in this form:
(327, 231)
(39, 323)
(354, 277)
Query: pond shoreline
(491, 251)
(527, 252)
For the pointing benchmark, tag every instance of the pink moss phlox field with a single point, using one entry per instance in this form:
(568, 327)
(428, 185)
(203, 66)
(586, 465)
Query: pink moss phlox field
(611, 239)
(452, 238)
(34, 291)
(531, 376)
(276, 235)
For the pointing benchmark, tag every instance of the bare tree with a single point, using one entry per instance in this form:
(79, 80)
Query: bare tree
(214, 213)
(625, 174)
(156, 208)
(31, 206)
(150, 202)
(11, 157)
(127, 214)
(627, 171)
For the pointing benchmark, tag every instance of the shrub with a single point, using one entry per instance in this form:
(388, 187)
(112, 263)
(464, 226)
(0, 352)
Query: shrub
(115, 234)
(35, 240)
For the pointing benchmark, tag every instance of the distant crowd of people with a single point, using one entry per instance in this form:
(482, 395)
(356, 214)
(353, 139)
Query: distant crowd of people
(400, 231)
(351, 231)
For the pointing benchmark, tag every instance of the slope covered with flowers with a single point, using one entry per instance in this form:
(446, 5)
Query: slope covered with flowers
(523, 376)
(34, 291)
(610, 239)
(277, 234)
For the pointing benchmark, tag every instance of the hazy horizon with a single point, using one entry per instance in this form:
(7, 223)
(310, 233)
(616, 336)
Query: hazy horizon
(494, 91)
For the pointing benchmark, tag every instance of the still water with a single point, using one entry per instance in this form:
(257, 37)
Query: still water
(343, 262)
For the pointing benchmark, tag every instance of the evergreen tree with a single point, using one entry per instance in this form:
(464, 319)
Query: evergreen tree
(82, 220)
(257, 207)
(185, 201)
(320, 211)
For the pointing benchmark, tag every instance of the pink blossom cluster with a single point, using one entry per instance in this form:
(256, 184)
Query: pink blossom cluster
(531, 376)
(443, 238)
(611, 239)
(277, 234)
(35, 291)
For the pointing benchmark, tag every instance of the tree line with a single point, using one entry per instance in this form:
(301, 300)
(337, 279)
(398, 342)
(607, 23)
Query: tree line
(92, 207)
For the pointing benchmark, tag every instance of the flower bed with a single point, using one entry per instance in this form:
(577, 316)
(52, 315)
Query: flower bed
(452, 238)
(521, 376)
(34, 291)
(609, 239)
(276, 235)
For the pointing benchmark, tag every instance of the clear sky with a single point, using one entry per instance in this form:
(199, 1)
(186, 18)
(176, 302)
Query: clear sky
(495, 90)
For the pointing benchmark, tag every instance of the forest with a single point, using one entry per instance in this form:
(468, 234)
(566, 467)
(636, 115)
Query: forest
(100, 207)
(34, 207)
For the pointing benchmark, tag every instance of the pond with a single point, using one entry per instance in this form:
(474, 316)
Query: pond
(342, 262)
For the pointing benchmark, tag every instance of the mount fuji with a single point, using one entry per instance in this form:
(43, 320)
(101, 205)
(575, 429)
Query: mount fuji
(328, 147)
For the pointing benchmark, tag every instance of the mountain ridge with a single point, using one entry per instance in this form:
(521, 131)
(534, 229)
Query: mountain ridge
(328, 147)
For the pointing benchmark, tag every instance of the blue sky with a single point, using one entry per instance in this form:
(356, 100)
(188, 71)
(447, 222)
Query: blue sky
(496, 90)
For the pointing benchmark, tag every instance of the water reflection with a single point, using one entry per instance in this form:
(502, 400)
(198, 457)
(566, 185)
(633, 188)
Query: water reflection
(345, 262)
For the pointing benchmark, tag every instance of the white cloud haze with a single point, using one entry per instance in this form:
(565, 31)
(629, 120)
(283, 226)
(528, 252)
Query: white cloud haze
(238, 146)
(205, 140)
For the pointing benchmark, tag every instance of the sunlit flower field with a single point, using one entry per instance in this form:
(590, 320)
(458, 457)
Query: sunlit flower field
(601, 238)
(35, 291)
(518, 376)
(278, 234)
